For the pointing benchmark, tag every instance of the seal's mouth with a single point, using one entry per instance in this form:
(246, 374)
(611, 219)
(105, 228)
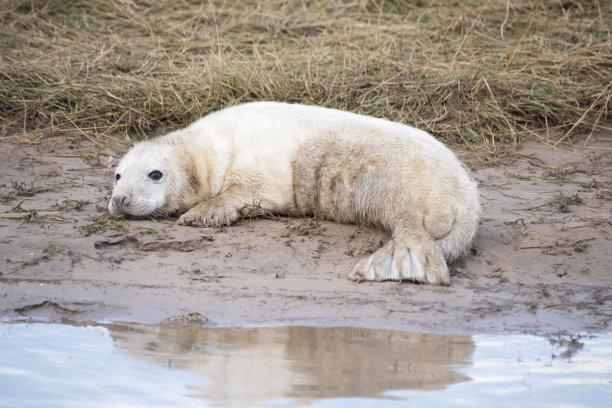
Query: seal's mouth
(161, 213)
(132, 206)
(145, 217)
(154, 215)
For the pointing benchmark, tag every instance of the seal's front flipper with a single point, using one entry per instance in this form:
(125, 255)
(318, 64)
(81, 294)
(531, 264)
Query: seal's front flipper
(224, 209)
(209, 213)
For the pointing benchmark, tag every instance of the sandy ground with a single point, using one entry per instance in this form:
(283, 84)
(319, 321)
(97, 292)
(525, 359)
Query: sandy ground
(540, 264)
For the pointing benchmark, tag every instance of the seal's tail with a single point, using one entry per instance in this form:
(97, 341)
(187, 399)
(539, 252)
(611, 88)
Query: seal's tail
(412, 254)
(459, 239)
(420, 246)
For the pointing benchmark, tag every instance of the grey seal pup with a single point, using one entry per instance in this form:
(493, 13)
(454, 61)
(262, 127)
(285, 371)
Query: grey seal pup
(303, 160)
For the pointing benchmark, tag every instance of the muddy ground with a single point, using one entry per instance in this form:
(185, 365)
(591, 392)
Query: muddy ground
(540, 263)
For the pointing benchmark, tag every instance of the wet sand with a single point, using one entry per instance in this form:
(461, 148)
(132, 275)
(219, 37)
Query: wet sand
(540, 263)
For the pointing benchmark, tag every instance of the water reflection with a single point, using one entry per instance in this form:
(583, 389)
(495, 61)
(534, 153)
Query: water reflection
(254, 365)
(168, 365)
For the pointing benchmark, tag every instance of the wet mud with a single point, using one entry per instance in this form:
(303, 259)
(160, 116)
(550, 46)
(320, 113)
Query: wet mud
(540, 263)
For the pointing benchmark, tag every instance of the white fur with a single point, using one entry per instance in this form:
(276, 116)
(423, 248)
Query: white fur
(301, 160)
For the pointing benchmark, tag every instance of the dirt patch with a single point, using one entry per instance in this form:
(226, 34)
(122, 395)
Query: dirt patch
(540, 262)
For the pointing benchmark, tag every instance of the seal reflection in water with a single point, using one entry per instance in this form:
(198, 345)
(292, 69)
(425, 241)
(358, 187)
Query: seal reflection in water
(304, 160)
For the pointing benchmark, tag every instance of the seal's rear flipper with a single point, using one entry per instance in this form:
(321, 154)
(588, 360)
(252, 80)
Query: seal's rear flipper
(417, 259)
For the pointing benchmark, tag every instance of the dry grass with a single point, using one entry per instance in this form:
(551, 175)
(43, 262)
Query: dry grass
(476, 72)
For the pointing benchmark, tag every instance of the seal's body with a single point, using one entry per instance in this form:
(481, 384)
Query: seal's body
(301, 160)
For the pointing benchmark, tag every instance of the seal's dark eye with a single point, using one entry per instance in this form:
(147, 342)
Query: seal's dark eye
(155, 175)
(117, 177)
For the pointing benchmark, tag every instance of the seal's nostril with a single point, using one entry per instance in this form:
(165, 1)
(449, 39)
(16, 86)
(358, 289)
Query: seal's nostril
(119, 201)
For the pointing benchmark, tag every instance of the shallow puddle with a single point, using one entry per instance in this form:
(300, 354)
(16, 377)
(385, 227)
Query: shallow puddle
(134, 365)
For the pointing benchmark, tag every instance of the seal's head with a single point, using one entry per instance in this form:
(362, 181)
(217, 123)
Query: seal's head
(153, 180)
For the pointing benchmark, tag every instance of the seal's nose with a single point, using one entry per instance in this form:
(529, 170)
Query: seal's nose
(117, 203)
(119, 200)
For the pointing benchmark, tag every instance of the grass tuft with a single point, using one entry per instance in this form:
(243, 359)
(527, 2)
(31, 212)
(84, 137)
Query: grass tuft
(471, 72)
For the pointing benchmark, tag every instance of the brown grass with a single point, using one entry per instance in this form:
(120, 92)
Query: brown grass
(475, 72)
